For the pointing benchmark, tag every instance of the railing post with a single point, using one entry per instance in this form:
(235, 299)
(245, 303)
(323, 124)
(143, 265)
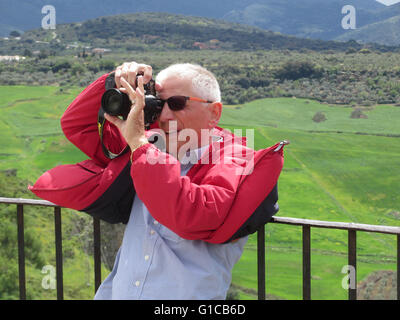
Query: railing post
(21, 251)
(261, 263)
(97, 253)
(352, 256)
(59, 255)
(398, 267)
(306, 263)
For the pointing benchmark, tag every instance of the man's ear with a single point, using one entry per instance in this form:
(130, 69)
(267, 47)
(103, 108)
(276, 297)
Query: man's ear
(158, 86)
(216, 111)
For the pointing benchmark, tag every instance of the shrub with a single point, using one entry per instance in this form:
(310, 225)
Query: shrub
(319, 117)
(364, 51)
(294, 70)
(43, 54)
(358, 114)
(77, 69)
(351, 50)
(106, 65)
(61, 65)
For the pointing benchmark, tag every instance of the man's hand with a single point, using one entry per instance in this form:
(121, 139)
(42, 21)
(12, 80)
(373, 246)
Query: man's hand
(129, 71)
(132, 128)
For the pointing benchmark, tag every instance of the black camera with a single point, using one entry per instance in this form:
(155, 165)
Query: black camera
(117, 103)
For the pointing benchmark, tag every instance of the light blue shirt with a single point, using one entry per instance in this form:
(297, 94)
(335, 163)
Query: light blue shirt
(153, 262)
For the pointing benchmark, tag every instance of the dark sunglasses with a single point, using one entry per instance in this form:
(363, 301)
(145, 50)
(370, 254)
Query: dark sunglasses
(176, 103)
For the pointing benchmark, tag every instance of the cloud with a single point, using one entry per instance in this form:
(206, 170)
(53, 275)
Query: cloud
(388, 2)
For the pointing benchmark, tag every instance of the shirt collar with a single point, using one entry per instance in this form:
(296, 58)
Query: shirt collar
(192, 156)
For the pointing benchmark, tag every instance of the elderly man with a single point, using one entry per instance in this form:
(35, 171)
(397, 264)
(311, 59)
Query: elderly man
(188, 208)
(153, 261)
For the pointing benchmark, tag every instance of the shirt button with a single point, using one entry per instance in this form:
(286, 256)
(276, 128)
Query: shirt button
(152, 232)
(137, 283)
(146, 257)
(155, 222)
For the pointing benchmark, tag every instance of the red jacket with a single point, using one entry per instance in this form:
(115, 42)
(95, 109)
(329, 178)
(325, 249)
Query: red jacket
(229, 197)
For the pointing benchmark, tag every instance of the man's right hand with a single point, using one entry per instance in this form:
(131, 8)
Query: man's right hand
(129, 71)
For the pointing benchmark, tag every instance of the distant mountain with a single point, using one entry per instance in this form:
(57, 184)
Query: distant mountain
(320, 19)
(162, 31)
(302, 18)
(383, 32)
(24, 15)
(153, 31)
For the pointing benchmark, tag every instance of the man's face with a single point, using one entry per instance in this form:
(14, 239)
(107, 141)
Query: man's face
(194, 117)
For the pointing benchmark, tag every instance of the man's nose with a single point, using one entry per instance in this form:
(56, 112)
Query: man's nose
(166, 113)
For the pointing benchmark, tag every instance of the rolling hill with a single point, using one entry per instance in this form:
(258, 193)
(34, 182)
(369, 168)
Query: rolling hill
(383, 32)
(305, 18)
(332, 172)
(341, 169)
(161, 31)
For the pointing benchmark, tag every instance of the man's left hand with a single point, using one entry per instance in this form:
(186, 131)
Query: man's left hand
(132, 129)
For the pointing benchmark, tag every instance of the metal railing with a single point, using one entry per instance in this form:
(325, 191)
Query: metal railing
(58, 244)
(306, 224)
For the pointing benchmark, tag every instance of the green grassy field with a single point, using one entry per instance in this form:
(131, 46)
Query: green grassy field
(296, 114)
(31, 139)
(345, 176)
(32, 142)
(341, 169)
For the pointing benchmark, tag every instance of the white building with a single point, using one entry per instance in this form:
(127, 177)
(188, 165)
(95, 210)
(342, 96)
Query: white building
(11, 58)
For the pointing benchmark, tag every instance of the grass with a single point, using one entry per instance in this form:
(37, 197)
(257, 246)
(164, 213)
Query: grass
(32, 142)
(329, 176)
(284, 269)
(30, 132)
(296, 114)
(331, 172)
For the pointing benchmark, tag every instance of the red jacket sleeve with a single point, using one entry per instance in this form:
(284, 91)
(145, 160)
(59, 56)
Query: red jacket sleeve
(189, 209)
(79, 124)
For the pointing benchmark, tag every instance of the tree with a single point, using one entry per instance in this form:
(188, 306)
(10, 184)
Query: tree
(77, 69)
(27, 53)
(61, 66)
(294, 70)
(106, 65)
(14, 34)
(43, 54)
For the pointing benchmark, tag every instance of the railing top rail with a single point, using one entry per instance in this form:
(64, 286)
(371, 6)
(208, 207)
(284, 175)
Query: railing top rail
(337, 225)
(32, 202)
(275, 219)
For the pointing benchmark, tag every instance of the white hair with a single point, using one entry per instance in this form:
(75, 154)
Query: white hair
(204, 83)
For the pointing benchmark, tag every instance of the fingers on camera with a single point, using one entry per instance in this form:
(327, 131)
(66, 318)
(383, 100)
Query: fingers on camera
(131, 75)
(129, 71)
(147, 73)
(140, 88)
(127, 88)
(117, 77)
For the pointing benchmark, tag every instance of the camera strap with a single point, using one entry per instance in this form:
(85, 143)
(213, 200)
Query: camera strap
(109, 84)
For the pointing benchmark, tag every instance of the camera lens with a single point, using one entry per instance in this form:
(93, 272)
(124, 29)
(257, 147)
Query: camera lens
(115, 103)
